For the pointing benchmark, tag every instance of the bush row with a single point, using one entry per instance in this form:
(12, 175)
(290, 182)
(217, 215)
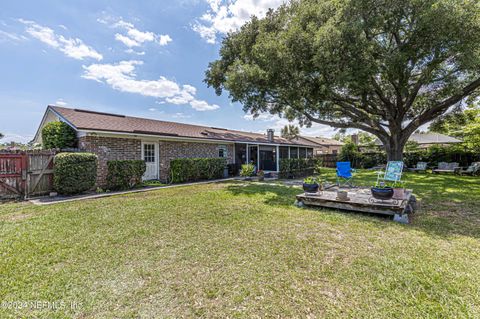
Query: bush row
(74, 172)
(301, 167)
(125, 174)
(194, 169)
(433, 155)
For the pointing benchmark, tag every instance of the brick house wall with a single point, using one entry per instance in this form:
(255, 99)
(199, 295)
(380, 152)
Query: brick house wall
(110, 148)
(171, 150)
(113, 148)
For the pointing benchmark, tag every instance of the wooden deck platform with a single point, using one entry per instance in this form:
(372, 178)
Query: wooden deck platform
(360, 201)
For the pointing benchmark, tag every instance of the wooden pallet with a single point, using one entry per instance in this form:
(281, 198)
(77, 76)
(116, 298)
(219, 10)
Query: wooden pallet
(360, 201)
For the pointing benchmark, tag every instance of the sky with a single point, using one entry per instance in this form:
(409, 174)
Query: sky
(138, 58)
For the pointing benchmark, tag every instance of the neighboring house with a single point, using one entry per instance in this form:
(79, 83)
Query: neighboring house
(120, 137)
(425, 140)
(322, 145)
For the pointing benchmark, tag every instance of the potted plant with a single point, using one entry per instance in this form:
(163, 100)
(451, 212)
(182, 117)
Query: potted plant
(247, 171)
(399, 190)
(310, 185)
(261, 175)
(382, 191)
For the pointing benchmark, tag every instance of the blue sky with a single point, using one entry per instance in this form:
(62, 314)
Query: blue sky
(140, 58)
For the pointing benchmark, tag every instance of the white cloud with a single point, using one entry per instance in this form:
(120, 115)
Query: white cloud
(164, 39)
(60, 102)
(181, 116)
(133, 37)
(266, 117)
(135, 52)
(126, 40)
(277, 123)
(72, 47)
(12, 137)
(229, 15)
(4, 35)
(121, 76)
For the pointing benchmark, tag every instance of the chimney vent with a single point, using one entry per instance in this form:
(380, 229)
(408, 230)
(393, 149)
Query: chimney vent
(355, 139)
(270, 135)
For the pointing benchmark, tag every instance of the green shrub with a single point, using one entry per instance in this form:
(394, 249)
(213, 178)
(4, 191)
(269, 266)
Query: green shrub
(194, 169)
(298, 167)
(248, 170)
(349, 153)
(58, 135)
(74, 173)
(125, 174)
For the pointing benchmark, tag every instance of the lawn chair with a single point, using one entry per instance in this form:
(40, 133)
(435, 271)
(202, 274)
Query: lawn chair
(473, 169)
(393, 173)
(421, 167)
(444, 167)
(344, 174)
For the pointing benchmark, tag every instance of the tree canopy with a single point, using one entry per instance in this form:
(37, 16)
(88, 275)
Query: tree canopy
(290, 132)
(386, 67)
(58, 135)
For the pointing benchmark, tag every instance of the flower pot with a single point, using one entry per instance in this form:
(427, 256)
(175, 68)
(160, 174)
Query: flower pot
(342, 196)
(382, 193)
(310, 188)
(398, 193)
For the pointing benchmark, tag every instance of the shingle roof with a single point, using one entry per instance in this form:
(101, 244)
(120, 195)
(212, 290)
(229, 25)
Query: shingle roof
(433, 138)
(98, 121)
(322, 141)
(429, 138)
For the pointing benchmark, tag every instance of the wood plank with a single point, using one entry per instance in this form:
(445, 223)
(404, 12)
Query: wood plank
(359, 201)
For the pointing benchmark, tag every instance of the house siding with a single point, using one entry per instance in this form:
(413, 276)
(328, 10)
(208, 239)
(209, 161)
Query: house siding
(172, 150)
(108, 149)
(113, 148)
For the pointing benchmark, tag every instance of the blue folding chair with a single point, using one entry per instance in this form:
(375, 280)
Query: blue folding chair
(344, 174)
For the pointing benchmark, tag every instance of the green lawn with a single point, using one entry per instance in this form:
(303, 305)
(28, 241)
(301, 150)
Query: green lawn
(243, 250)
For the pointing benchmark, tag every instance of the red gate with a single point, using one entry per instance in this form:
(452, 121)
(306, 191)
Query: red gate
(13, 175)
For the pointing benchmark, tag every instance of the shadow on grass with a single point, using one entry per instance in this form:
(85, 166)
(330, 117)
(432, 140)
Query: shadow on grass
(446, 209)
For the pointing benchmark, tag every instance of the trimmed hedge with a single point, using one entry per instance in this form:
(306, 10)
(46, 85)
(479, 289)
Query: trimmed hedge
(298, 167)
(74, 173)
(125, 174)
(58, 135)
(194, 169)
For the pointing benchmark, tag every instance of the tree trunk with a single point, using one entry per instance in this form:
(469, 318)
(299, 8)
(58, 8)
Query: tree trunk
(395, 148)
(394, 154)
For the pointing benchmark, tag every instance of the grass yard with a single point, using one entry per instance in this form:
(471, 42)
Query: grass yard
(243, 250)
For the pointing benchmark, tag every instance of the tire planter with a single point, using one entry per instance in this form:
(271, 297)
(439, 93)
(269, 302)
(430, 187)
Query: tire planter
(310, 188)
(382, 193)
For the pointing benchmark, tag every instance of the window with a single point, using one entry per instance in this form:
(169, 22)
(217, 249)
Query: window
(293, 152)
(149, 153)
(334, 152)
(283, 152)
(309, 152)
(222, 151)
(302, 152)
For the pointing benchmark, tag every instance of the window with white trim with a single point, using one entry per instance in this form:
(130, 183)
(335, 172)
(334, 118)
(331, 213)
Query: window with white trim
(149, 153)
(222, 151)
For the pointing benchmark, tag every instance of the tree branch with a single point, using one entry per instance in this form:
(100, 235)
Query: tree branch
(432, 112)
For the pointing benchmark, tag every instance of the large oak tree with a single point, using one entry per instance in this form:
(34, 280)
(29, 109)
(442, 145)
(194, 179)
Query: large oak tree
(382, 66)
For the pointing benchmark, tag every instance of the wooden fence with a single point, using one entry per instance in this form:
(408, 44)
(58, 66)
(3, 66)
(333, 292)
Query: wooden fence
(26, 174)
(328, 160)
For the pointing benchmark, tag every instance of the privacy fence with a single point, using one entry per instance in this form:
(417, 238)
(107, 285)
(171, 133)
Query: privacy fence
(432, 156)
(26, 173)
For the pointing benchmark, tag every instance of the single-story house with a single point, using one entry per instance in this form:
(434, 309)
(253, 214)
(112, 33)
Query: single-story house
(323, 145)
(425, 140)
(120, 137)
